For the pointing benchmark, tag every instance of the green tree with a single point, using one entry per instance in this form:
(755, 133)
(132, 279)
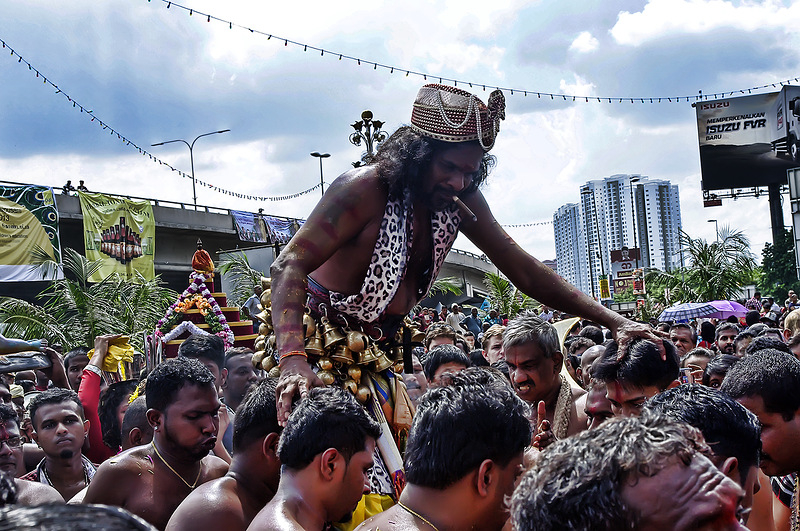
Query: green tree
(625, 295)
(242, 277)
(505, 297)
(779, 273)
(73, 311)
(714, 271)
(446, 285)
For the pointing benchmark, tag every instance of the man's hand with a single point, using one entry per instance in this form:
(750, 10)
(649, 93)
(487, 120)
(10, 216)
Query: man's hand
(626, 331)
(544, 436)
(101, 348)
(56, 371)
(296, 379)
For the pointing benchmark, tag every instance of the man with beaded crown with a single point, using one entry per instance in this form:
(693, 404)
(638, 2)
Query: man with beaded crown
(375, 243)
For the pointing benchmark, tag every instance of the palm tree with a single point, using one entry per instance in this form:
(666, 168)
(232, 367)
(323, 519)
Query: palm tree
(715, 270)
(504, 296)
(243, 278)
(446, 285)
(74, 311)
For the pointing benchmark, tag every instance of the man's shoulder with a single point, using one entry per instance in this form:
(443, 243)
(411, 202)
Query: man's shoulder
(391, 519)
(214, 504)
(274, 517)
(128, 461)
(33, 493)
(213, 468)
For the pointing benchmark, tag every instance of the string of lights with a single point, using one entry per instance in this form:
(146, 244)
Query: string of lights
(142, 151)
(475, 84)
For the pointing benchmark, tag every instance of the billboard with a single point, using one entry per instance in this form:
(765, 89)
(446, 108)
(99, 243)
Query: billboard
(749, 141)
(28, 221)
(120, 232)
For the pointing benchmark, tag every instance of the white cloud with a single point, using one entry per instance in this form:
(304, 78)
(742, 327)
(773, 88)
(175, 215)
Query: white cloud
(662, 18)
(585, 42)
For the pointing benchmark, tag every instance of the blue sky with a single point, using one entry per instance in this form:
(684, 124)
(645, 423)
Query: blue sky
(156, 74)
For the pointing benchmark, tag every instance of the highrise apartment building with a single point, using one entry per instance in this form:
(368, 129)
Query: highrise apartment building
(621, 211)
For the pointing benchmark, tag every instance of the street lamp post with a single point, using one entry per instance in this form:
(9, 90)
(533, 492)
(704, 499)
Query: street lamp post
(633, 217)
(716, 227)
(368, 131)
(321, 156)
(191, 155)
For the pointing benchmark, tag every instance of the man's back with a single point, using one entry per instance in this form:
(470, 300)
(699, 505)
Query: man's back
(132, 481)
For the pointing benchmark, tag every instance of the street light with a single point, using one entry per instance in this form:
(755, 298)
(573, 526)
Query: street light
(633, 216)
(716, 227)
(321, 156)
(191, 155)
(368, 131)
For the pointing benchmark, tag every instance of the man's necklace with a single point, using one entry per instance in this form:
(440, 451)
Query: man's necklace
(418, 515)
(192, 485)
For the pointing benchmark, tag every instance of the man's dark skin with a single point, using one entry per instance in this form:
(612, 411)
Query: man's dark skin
(139, 481)
(231, 502)
(335, 247)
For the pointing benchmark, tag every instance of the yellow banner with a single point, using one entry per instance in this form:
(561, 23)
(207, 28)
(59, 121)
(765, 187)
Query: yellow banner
(121, 232)
(28, 221)
(604, 291)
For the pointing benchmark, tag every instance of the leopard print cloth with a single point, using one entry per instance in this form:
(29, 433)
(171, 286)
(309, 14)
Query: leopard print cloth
(390, 256)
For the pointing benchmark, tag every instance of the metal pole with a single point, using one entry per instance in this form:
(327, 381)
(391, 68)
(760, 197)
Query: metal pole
(320, 156)
(191, 155)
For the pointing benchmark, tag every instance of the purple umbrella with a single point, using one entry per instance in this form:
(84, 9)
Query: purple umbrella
(727, 308)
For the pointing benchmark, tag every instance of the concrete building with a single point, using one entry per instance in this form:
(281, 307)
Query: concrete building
(621, 211)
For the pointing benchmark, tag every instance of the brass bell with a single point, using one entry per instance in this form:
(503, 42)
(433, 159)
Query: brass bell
(274, 372)
(268, 363)
(354, 372)
(357, 341)
(327, 377)
(396, 353)
(309, 326)
(343, 355)
(263, 329)
(382, 363)
(314, 346)
(350, 385)
(266, 298)
(332, 334)
(265, 316)
(369, 355)
(325, 364)
(417, 335)
(363, 394)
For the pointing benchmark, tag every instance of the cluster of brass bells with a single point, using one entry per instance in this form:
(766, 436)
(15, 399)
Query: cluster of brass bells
(342, 353)
(264, 357)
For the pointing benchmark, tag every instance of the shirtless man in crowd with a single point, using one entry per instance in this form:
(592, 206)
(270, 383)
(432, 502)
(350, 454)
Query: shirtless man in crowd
(152, 480)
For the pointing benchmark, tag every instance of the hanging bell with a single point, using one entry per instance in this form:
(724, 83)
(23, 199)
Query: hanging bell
(314, 345)
(332, 334)
(357, 341)
(354, 372)
(369, 355)
(363, 394)
(417, 335)
(327, 377)
(325, 364)
(343, 355)
(382, 363)
(396, 353)
(350, 385)
(309, 326)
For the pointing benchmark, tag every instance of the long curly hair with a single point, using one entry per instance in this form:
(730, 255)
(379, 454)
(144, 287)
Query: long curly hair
(403, 158)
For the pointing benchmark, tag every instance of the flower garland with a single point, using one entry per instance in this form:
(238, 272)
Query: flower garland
(197, 296)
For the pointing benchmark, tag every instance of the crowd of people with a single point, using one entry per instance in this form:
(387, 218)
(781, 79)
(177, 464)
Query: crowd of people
(529, 430)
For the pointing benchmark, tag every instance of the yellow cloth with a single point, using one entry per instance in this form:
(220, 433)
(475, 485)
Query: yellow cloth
(119, 351)
(369, 506)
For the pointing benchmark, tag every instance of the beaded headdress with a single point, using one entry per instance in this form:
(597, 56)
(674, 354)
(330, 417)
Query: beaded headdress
(454, 115)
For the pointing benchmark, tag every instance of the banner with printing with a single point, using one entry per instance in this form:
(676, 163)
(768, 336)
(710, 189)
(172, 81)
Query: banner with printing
(280, 230)
(249, 226)
(28, 223)
(121, 232)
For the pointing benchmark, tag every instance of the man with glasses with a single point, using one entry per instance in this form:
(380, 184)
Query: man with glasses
(11, 462)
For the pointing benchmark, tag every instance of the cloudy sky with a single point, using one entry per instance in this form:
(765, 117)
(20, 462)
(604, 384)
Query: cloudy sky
(152, 72)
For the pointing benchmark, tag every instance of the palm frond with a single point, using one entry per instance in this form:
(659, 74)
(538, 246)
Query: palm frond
(446, 285)
(242, 277)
